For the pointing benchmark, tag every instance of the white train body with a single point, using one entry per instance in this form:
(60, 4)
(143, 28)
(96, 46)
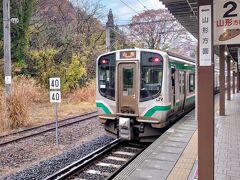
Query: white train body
(140, 91)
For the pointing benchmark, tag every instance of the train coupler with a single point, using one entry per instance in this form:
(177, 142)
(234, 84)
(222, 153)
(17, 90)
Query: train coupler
(125, 130)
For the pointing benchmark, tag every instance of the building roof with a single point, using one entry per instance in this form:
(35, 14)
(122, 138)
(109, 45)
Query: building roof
(186, 12)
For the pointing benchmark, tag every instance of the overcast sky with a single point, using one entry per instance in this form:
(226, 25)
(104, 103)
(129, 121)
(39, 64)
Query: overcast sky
(123, 13)
(124, 10)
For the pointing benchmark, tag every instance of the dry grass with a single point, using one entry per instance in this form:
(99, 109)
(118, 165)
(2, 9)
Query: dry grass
(3, 122)
(85, 94)
(30, 106)
(25, 91)
(80, 101)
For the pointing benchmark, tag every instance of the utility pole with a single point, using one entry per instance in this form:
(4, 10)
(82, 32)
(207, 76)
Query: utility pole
(7, 47)
(108, 44)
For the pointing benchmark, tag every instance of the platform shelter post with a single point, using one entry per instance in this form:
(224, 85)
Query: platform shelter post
(222, 80)
(205, 103)
(228, 79)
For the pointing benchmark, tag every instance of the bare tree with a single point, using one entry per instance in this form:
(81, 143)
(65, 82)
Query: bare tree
(157, 29)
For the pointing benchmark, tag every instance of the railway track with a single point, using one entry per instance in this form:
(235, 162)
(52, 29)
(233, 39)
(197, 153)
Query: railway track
(37, 130)
(103, 163)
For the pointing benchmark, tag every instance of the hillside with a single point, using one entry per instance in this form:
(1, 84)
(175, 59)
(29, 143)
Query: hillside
(56, 9)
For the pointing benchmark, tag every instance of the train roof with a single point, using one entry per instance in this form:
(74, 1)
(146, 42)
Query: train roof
(192, 60)
(173, 55)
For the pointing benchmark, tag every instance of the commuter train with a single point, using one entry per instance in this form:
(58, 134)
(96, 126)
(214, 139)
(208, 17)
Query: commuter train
(140, 91)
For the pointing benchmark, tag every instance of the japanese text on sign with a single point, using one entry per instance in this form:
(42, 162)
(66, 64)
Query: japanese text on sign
(205, 35)
(226, 22)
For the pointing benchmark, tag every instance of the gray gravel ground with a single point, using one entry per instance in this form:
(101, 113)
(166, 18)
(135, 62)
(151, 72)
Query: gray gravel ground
(45, 168)
(23, 154)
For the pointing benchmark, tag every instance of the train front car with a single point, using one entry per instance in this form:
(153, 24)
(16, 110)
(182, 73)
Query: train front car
(140, 91)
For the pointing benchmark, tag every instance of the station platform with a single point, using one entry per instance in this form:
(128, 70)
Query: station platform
(173, 156)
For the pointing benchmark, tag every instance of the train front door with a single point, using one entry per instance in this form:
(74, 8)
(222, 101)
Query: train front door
(127, 88)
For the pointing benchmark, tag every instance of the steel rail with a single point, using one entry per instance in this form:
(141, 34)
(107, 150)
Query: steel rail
(35, 127)
(115, 173)
(91, 115)
(83, 162)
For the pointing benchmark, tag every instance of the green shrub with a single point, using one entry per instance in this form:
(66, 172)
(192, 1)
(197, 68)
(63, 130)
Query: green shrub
(44, 64)
(75, 72)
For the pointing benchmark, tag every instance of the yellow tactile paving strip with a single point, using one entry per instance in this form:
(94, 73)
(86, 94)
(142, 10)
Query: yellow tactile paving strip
(185, 163)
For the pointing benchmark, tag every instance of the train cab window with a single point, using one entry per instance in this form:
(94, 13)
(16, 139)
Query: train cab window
(191, 82)
(106, 75)
(151, 75)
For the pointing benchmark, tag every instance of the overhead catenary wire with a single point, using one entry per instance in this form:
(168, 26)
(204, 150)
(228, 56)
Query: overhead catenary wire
(146, 22)
(163, 32)
(129, 6)
(142, 4)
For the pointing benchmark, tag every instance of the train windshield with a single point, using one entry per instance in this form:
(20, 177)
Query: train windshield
(151, 75)
(106, 76)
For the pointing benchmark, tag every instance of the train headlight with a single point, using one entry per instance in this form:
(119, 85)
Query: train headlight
(155, 60)
(104, 61)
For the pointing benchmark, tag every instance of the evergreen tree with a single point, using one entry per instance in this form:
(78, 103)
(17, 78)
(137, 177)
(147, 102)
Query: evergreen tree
(21, 9)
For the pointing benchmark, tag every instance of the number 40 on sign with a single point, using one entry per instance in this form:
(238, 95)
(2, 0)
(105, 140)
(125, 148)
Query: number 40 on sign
(55, 96)
(55, 93)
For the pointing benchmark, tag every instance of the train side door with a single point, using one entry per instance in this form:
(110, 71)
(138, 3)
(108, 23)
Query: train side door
(182, 90)
(127, 88)
(173, 82)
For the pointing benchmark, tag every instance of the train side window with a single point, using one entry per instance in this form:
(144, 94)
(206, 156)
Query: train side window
(180, 82)
(191, 82)
(173, 70)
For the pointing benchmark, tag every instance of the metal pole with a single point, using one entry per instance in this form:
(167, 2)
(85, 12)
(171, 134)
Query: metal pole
(222, 81)
(205, 104)
(7, 47)
(238, 79)
(228, 79)
(233, 82)
(56, 119)
(108, 43)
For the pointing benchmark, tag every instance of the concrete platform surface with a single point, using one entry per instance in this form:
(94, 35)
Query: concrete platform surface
(227, 141)
(158, 160)
(173, 156)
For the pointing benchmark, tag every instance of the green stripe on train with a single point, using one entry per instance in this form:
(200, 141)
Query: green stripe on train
(181, 66)
(151, 111)
(104, 108)
(191, 99)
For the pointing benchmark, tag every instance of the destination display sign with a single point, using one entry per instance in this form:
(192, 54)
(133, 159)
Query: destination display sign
(127, 54)
(205, 35)
(226, 22)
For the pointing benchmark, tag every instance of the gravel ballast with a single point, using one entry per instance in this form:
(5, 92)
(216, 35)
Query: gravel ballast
(48, 167)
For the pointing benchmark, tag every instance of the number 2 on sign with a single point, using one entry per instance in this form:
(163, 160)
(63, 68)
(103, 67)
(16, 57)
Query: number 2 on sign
(233, 7)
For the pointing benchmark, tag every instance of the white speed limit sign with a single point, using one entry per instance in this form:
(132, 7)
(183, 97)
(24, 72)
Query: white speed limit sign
(54, 83)
(55, 96)
(55, 93)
